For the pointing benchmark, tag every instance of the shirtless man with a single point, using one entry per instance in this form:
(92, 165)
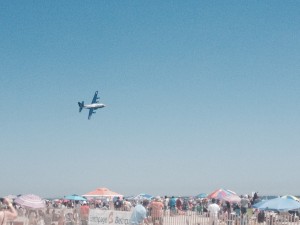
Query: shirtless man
(9, 214)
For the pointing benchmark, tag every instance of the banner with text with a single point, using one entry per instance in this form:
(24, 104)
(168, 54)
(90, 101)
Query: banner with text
(97, 217)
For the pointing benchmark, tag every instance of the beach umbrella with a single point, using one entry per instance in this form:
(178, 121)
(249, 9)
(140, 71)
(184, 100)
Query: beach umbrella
(278, 204)
(102, 192)
(202, 195)
(131, 197)
(232, 198)
(291, 197)
(143, 196)
(231, 192)
(225, 195)
(74, 198)
(30, 201)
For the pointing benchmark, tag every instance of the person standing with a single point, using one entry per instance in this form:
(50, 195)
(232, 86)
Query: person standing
(213, 210)
(172, 204)
(244, 204)
(166, 204)
(228, 208)
(255, 198)
(76, 217)
(139, 214)
(237, 209)
(61, 220)
(32, 218)
(244, 207)
(118, 204)
(228, 212)
(127, 205)
(179, 204)
(84, 213)
(156, 208)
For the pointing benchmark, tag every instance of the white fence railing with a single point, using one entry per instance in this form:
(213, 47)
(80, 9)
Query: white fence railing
(113, 217)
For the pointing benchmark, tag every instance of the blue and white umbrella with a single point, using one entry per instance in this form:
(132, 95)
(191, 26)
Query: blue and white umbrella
(278, 204)
(143, 196)
(202, 195)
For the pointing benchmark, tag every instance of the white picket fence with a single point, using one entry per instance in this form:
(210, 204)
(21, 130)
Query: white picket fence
(113, 217)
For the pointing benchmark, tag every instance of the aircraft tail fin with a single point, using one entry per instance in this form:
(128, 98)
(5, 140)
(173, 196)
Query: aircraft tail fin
(80, 104)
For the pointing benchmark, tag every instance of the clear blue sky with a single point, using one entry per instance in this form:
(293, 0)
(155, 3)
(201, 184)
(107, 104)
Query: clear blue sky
(200, 95)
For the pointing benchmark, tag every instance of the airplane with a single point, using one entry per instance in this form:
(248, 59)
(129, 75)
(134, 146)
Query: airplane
(93, 106)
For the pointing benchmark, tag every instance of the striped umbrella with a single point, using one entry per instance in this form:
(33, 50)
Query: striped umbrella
(225, 195)
(30, 201)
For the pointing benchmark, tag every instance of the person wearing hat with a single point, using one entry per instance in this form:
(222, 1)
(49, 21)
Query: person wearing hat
(139, 214)
(156, 208)
(8, 214)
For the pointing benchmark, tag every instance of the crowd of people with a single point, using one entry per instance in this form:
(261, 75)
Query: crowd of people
(148, 211)
(216, 210)
(155, 210)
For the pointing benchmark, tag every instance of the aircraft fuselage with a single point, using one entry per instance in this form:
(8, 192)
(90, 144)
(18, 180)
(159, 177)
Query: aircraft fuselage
(94, 106)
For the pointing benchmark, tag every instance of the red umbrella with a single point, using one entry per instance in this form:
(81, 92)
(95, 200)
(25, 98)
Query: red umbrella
(31, 201)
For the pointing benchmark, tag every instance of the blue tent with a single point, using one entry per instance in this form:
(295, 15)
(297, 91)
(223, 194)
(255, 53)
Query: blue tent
(278, 204)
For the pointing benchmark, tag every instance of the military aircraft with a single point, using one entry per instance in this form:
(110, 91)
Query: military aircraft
(93, 106)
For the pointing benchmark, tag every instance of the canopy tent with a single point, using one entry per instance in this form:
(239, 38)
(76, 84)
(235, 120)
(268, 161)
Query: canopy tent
(225, 195)
(278, 204)
(102, 192)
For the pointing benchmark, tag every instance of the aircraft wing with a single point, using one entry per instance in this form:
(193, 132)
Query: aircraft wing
(95, 97)
(91, 113)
